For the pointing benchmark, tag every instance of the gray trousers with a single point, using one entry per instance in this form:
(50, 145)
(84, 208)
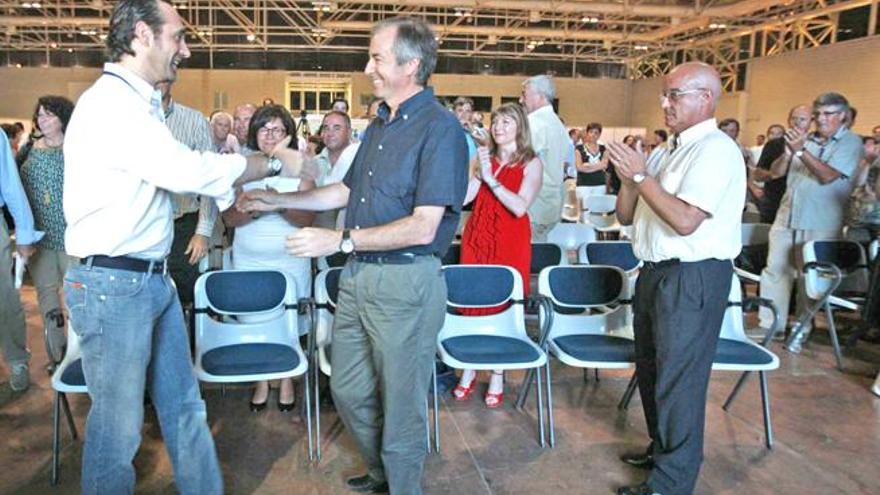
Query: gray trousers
(384, 340)
(13, 337)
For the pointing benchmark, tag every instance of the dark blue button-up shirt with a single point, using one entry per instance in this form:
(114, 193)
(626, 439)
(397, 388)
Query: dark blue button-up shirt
(419, 158)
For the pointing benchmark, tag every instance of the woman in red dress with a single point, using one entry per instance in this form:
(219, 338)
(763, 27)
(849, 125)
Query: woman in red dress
(506, 179)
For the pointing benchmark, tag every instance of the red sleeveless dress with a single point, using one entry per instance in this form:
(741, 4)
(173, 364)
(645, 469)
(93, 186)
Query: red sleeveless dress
(494, 235)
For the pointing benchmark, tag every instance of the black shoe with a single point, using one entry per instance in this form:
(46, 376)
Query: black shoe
(257, 406)
(641, 460)
(285, 407)
(642, 489)
(366, 484)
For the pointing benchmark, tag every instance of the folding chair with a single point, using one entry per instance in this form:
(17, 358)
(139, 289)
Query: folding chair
(67, 378)
(323, 309)
(836, 276)
(232, 348)
(493, 342)
(593, 337)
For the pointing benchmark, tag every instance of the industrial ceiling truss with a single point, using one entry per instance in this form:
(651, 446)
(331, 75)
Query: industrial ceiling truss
(645, 36)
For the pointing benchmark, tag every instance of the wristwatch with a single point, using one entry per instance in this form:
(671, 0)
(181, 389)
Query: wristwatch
(275, 165)
(638, 178)
(799, 153)
(347, 244)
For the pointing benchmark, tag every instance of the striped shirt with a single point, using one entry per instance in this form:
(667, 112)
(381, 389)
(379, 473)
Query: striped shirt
(191, 128)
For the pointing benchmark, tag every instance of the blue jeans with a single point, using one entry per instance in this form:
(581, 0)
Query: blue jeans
(133, 339)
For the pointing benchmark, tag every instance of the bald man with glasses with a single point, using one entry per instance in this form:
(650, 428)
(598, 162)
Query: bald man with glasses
(686, 228)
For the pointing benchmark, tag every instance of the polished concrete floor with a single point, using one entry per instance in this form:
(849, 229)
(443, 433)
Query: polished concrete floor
(827, 427)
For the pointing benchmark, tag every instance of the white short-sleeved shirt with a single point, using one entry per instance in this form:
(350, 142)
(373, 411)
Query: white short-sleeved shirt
(705, 170)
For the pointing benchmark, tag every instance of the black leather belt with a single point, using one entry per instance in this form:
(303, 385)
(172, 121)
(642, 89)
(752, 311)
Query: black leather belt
(388, 259)
(654, 265)
(125, 263)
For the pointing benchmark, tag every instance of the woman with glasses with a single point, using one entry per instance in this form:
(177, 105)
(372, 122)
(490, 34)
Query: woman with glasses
(259, 238)
(42, 175)
(503, 186)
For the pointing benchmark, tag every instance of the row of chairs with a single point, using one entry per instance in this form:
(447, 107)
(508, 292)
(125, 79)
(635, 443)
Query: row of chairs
(230, 348)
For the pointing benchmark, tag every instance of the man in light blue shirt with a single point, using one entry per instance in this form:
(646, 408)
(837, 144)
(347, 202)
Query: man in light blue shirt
(13, 335)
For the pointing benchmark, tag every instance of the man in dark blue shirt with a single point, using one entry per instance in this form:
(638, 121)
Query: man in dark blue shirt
(403, 193)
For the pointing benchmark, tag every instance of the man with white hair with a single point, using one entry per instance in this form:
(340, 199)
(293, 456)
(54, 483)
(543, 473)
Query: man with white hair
(224, 141)
(686, 227)
(551, 144)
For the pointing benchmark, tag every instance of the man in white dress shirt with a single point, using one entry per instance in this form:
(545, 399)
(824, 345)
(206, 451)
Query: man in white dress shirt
(122, 303)
(552, 145)
(334, 161)
(686, 225)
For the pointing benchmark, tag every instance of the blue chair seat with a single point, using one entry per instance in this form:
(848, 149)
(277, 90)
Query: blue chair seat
(736, 352)
(250, 359)
(604, 348)
(489, 349)
(73, 375)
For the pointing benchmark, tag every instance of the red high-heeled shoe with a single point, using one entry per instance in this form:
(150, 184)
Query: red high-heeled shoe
(494, 401)
(462, 394)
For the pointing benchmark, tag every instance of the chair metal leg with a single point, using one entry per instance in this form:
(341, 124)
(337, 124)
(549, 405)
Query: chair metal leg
(56, 439)
(628, 393)
(524, 388)
(65, 406)
(550, 405)
(436, 411)
(597, 373)
(832, 330)
(540, 407)
(317, 372)
(765, 401)
(308, 395)
(736, 389)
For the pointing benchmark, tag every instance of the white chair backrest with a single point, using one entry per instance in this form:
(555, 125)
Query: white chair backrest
(596, 289)
(571, 235)
(483, 286)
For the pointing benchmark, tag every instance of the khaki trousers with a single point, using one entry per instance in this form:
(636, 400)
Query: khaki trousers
(13, 337)
(384, 341)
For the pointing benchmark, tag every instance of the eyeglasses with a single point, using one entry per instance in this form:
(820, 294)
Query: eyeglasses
(273, 131)
(676, 94)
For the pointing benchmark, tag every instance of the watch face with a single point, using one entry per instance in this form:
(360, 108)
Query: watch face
(347, 246)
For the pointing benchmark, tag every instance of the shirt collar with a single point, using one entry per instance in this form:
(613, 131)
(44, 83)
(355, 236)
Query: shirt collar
(545, 110)
(142, 87)
(412, 104)
(696, 132)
